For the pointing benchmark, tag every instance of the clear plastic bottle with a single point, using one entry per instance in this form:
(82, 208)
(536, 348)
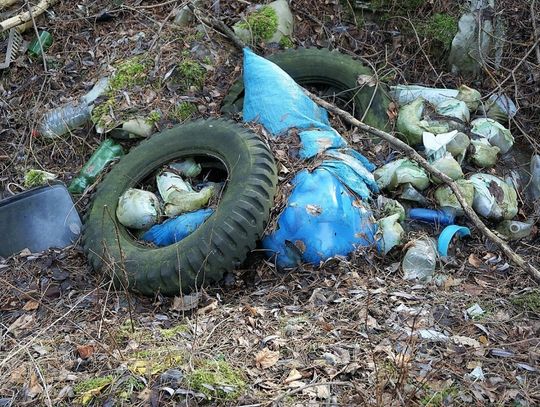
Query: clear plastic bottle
(534, 185)
(514, 230)
(63, 119)
(420, 260)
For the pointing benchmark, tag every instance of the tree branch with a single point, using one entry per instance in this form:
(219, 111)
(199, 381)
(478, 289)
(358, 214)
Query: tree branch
(22, 18)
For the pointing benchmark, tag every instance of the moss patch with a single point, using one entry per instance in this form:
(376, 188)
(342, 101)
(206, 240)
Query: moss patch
(91, 388)
(440, 398)
(156, 360)
(441, 27)
(183, 111)
(190, 73)
(262, 23)
(528, 302)
(217, 379)
(174, 331)
(286, 42)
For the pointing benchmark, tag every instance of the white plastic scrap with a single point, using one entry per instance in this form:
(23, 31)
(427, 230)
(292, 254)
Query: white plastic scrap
(493, 198)
(168, 183)
(470, 96)
(407, 93)
(484, 155)
(435, 145)
(138, 209)
(477, 374)
(401, 171)
(494, 132)
(475, 310)
(449, 166)
(432, 335)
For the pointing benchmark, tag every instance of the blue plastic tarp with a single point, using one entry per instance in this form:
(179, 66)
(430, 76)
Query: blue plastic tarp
(326, 214)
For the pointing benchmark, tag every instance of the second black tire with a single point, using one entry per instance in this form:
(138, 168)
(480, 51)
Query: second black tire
(219, 244)
(322, 67)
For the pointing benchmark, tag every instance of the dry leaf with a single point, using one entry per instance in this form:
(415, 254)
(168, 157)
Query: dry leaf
(31, 305)
(465, 341)
(208, 308)
(293, 376)
(24, 321)
(321, 392)
(34, 388)
(85, 351)
(266, 358)
(474, 260)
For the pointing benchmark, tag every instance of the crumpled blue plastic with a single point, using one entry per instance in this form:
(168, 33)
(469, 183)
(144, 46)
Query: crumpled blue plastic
(176, 229)
(322, 219)
(324, 215)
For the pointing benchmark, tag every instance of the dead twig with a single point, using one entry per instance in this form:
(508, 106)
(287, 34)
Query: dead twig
(411, 153)
(22, 18)
(306, 386)
(536, 31)
(37, 35)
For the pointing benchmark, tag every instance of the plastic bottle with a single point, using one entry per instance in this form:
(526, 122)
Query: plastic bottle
(106, 152)
(514, 230)
(444, 216)
(61, 120)
(420, 260)
(534, 185)
(46, 40)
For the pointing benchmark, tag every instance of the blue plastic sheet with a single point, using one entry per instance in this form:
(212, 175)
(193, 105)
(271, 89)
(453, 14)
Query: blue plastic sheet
(325, 214)
(323, 218)
(176, 229)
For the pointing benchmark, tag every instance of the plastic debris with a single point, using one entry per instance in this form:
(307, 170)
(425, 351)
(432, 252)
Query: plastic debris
(408, 122)
(458, 146)
(179, 196)
(470, 96)
(323, 218)
(475, 310)
(493, 197)
(500, 108)
(514, 230)
(483, 154)
(387, 207)
(446, 236)
(420, 260)
(107, 152)
(175, 229)
(37, 220)
(62, 120)
(447, 199)
(454, 108)
(404, 94)
(494, 132)
(169, 183)
(477, 374)
(138, 209)
(324, 215)
(401, 171)
(409, 193)
(99, 88)
(36, 178)
(432, 335)
(184, 15)
(436, 216)
(40, 44)
(534, 184)
(449, 166)
(435, 145)
(187, 167)
(391, 232)
(137, 128)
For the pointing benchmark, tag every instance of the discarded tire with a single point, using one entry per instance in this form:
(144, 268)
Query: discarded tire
(219, 244)
(330, 72)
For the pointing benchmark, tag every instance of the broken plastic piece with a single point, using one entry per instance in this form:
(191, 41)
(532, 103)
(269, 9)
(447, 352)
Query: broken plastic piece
(387, 207)
(514, 230)
(483, 154)
(446, 236)
(494, 132)
(409, 193)
(435, 145)
(493, 197)
(175, 229)
(138, 209)
(420, 260)
(38, 220)
(404, 94)
(40, 44)
(447, 199)
(187, 167)
(436, 216)
(401, 171)
(391, 232)
(454, 108)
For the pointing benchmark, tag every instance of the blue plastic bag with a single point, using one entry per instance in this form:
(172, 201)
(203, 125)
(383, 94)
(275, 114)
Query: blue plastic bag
(176, 229)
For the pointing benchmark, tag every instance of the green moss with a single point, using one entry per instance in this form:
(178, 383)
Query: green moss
(528, 302)
(190, 73)
(129, 386)
(262, 23)
(128, 74)
(92, 384)
(34, 178)
(183, 111)
(286, 42)
(440, 398)
(217, 379)
(397, 5)
(174, 331)
(441, 27)
(153, 117)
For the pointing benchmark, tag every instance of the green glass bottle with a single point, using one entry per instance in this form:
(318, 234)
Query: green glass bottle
(106, 152)
(46, 40)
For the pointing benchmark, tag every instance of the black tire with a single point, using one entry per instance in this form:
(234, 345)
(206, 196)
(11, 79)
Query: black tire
(322, 67)
(219, 244)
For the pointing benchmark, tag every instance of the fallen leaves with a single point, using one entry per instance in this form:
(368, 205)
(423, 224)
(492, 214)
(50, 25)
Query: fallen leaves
(31, 305)
(85, 351)
(266, 358)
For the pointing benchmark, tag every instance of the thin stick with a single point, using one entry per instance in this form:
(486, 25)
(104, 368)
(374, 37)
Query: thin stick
(411, 153)
(37, 36)
(306, 386)
(536, 32)
(22, 18)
